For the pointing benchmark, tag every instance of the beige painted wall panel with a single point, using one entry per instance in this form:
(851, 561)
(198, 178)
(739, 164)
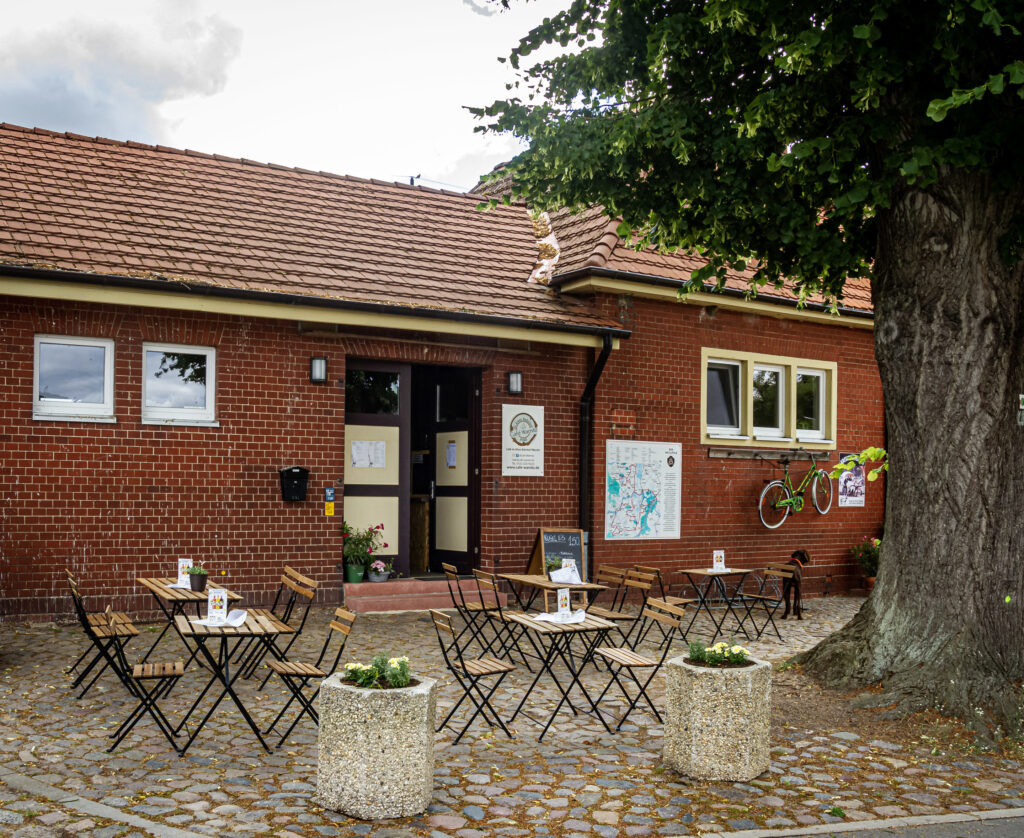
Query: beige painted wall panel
(452, 524)
(458, 476)
(361, 513)
(387, 476)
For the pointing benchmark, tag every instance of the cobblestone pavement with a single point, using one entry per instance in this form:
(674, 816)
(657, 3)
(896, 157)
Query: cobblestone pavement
(580, 781)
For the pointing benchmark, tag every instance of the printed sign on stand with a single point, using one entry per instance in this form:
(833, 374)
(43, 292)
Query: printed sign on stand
(564, 608)
(183, 566)
(217, 605)
(718, 560)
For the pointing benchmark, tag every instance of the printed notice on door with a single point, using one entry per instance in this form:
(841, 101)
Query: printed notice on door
(369, 453)
(642, 489)
(522, 440)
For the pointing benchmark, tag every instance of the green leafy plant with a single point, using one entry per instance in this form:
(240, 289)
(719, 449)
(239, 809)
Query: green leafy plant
(866, 554)
(868, 455)
(359, 546)
(382, 673)
(722, 654)
(198, 570)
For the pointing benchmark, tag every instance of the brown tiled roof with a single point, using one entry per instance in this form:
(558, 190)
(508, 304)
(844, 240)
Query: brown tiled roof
(589, 240)
(81, 204)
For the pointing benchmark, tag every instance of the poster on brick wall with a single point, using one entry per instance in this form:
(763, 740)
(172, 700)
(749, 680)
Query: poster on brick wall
(642, 489)
(522, 440)
(852, 484)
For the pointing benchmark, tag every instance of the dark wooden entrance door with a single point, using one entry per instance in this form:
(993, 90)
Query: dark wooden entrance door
(377, 435)
(455, 496)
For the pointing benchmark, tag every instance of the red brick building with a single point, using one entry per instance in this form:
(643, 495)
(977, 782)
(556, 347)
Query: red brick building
(162, 311)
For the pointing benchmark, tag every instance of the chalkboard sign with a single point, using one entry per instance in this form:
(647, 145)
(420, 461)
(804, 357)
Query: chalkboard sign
(552, 546)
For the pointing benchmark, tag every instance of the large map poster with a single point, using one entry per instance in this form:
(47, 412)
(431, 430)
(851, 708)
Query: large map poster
(642, 489)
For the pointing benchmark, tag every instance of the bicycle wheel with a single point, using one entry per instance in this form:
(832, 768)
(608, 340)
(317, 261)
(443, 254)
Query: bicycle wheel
(769, 508)
(821, 491)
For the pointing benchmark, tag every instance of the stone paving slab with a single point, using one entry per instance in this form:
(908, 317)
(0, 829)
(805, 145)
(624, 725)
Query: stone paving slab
(580, 781)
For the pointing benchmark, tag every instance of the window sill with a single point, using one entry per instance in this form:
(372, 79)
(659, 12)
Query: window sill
(772, 438)
(726, 436)
(53, 417)
(815, 440)
(189, 423)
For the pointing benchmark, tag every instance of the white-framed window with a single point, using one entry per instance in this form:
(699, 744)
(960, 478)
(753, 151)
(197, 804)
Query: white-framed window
(769, 400)
(178, 383)
(73, 378)
(810, 404)
(759, 400)
(723, 405)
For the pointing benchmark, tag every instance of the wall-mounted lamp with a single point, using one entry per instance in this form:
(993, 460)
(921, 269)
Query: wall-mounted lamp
(515, 383)
(318, 370)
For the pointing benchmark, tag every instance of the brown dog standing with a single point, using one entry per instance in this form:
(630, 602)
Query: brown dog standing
(796, 563)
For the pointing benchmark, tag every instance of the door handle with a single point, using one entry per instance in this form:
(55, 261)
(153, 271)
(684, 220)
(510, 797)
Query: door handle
(431, 489)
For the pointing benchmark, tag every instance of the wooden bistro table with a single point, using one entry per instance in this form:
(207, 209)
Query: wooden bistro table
(263, 627)
(555, 640)
(172, 602)
(538, 583)
(710, 587)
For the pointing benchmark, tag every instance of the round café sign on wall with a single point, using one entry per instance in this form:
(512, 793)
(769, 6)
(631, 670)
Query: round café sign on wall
(523, 429)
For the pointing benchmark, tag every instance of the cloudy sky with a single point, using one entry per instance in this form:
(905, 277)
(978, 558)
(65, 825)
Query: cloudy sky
(374, 88)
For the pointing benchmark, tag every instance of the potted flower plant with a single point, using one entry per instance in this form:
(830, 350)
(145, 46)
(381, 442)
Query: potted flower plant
(359, 547)
(379, 570)
(866, 553)
(718, 713)
(197, 575)
(384, 768)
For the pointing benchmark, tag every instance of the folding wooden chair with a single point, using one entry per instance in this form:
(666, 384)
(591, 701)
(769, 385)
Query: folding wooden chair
(768, 596)
(107, 632)
(291, 605)
(506, 632)
(626, 660)
(639, 582)
(469, 674)
(472, 613)
(118, 617)
(615, 579)
(296, 675)
(151, 682)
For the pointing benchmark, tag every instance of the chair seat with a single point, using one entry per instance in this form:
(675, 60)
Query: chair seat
(608, 614)
(762, 597)
(479, 606)
(625, 657)
(679, 600)
(485, 666)
(142, 671)
(290, 668)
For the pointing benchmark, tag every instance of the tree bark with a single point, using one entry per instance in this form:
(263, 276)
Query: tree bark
(944, 626)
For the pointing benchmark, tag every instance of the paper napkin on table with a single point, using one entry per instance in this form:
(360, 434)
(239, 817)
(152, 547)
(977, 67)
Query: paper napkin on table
(568, 575)
(187, 587)
(576, 617)
(234, 619)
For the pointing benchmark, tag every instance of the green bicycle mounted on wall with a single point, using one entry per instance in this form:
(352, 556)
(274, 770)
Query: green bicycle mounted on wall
(779, 498)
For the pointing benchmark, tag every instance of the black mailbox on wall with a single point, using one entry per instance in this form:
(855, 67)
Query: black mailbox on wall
(293, 483)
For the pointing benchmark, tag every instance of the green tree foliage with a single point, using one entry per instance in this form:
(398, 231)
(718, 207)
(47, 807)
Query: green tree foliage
(764, 133)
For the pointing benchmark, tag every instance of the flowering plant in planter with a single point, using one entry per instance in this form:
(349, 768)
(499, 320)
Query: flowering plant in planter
(382, 673)
(866, 554)
(359, 545)
(381, 565)
(720, 655)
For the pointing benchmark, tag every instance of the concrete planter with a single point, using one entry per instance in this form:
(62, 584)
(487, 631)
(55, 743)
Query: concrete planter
(376, 749)
(717, 721)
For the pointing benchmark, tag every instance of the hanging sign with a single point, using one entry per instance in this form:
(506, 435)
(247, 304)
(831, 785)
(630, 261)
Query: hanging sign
(522, 440)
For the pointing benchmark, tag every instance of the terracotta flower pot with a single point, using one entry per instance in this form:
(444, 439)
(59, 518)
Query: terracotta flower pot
(869, 583)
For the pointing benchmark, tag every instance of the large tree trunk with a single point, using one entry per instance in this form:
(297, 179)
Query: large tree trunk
(944, 626)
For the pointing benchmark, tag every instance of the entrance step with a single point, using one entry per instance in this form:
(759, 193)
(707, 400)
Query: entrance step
(407, 595)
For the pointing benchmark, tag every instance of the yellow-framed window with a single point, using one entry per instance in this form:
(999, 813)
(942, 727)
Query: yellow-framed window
(767, 401)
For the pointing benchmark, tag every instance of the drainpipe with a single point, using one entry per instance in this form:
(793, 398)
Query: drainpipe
(587, 447)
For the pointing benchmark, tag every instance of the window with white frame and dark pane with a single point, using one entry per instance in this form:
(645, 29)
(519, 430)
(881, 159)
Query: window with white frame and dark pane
(73, 378)
(178, 383)
(769, 399)
(723, 397)
(810, 404)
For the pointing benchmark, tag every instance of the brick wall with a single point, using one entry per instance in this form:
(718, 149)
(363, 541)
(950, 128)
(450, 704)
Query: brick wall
(113, 502)
(650, 391)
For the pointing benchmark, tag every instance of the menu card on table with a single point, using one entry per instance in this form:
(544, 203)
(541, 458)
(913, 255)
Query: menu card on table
(183, 580)
(718, 560)
(567, 574)
(217, 605)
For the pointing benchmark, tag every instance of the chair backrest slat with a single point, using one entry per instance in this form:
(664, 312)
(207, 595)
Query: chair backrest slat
(297, 588)
(305, 581)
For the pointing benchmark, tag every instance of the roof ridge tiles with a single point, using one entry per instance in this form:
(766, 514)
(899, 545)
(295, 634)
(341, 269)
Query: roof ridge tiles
(605, 245)
(229, 159)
